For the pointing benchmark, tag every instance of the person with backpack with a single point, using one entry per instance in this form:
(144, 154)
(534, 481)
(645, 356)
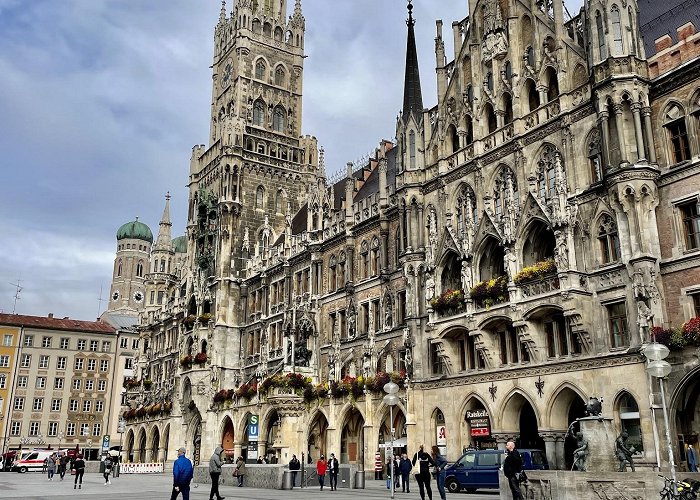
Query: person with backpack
(423, 476)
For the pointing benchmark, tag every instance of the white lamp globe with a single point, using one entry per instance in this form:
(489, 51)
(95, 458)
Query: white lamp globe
(655, 351)
(659, 368)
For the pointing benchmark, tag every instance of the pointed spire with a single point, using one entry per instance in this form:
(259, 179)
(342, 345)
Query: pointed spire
(322, 163)
(412, 97)
(164, 237)
(222, 14)
(297, 18)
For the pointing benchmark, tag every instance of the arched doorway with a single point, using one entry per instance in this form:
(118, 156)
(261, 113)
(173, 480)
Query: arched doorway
(568, 406)
(316, 445)
(440, 430)
(166, 442)
(400, 437)
(626, 411)
(130, 446)
(520, 416)
(476, 431)
(155, 445)
(142, 445)
(686, 414)
(228, 439)
(273, 451)
(352, 439)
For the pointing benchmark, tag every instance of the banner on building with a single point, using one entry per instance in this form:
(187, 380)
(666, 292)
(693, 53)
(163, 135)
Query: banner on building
(138, 468)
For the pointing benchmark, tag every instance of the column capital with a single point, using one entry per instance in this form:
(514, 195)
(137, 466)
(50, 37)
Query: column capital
(617, 107)
(604, 115)
(636, 107)
(646, 111)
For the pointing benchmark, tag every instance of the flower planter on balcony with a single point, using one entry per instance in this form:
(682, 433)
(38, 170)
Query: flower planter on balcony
(487, 293)
(539, 286)
(449, 303)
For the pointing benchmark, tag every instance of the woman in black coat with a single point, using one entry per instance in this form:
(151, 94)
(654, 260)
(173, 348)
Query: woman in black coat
(425, 461)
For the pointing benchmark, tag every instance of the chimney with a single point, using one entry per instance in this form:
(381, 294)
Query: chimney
(50, 315)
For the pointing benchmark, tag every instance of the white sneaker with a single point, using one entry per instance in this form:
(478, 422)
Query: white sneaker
(109, 482)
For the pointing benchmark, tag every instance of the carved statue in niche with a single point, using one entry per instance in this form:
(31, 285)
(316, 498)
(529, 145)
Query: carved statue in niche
(408, 357)
(638, 287)
(510, 264)
(352, 324)
(645, 318)
(495, 41)
(388, 312)
(466, 277)
(432, 239)
(429, 286)
(561, 252)
(409, 293)
(246, 240)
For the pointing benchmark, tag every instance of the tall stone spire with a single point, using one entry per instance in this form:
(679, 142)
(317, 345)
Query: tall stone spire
(164, 233)
(322, 163)
(222, 14)
(412, 97)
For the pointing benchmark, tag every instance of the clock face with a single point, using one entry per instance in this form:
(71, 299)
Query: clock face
(138, 296)
(115, 296)
(226, 79)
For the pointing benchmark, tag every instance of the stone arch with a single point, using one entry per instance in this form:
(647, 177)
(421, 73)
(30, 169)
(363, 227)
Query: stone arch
(551, 80)
(627, 417)
(532, 96)
(317, 435)
(385, 424)
(166, 441)
(155, 444)
(474, 403)
(489, 258)
(129, 445)
(536, 241)
(227, 432)
(559, 404)
(352, 437)
(519, 414)
(142, 444)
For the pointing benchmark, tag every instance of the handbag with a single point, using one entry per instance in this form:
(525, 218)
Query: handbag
(521, 477)
(235, 472)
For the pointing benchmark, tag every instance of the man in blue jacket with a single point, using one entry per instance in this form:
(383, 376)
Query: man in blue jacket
(182, 475)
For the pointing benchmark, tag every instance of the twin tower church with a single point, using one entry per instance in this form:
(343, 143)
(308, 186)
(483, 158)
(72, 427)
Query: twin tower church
(502, 259)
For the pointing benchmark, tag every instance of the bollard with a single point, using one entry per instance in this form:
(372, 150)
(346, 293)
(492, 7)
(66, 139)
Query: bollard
(360, 480)
(287, 480)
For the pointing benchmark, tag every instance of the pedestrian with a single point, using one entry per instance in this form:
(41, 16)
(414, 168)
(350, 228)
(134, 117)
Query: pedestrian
(215, 473)
(182, 475)
(333, 471)
(51, 466)
(45, 466)
(321, 467)
(108, 469)
(294, 466)
(240, 471)
(440, 464)
(405, 470)
(62, 462)
(423, 475)
(79, 466)
(396, 474)
(512, 469)
(378, 466)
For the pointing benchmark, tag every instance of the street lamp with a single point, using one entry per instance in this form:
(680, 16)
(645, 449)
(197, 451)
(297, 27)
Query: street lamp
(391, 400)
(60, 438)
(659, 368)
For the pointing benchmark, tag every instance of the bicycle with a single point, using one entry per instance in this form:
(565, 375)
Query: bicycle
(686, 489)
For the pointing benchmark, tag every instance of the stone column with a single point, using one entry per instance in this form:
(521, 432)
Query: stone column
(636, 107)
(620, 133)
(409, 229)
(502, 438)
(402, 229)
(421, 232)
(649, 133)
(605, 125)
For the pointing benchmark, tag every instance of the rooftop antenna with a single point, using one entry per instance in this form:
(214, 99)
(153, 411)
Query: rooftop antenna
(18, 290)
(100, 300)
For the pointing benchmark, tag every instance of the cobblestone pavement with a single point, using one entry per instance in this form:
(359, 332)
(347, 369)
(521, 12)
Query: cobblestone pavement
(35, 486)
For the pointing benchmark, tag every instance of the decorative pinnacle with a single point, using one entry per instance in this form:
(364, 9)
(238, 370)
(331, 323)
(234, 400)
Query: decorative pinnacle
(410, 21)
(167, 196)
(222, 14)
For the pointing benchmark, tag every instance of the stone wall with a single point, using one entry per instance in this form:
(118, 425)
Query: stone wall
(270, 476)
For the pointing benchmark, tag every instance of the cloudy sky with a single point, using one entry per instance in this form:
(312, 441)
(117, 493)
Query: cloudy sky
(101, 102)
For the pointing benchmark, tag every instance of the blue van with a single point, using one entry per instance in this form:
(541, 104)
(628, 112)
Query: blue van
(478, 469)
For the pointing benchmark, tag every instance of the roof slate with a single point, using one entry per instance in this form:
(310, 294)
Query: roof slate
(46, 323)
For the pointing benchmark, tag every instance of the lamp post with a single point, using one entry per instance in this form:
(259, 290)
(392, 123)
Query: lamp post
(60, 438)
(659, 368)
(120, 429)
(89, 449)
(391, 400)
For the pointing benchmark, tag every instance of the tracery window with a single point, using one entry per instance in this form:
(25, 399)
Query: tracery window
(547, 173)
(260, 69)
(259, 113)
(677, 134)
(412, 149)
(504, 184)
(374, 263)
(616, 30)
(332, 279)
(364, 256)
(601, 35)
(260, 197)
(279, 76)
(279, 119)
(608, 239)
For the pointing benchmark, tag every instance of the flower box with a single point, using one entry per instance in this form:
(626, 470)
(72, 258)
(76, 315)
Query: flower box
(186, 361)
(189, 320)
(200, 358)
(493, 291)
(448, 300)
(205, 318)
(536, 271)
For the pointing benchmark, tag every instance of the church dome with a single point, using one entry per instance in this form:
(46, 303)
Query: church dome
(180, 244)
(135, 230)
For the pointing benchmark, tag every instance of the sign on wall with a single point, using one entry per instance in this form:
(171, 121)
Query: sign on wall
(105, 442)
(254, 428)
(441, 435)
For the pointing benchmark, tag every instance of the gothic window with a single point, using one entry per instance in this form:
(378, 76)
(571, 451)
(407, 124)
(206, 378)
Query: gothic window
(279, 76)
(552, 85)
(454, 138)
(162, 266)
(690, 216)
(267, 29)
(374, 263)
(489, 81)
(507, 109)
(630, 29)
(397, 246)
(628, 411)
(412, 149)
(259, 113)
(469, 128)
(601, 35)
(119, 268)
(677, 134)
(260, 197)
(257, 26)
(260, 69)
(364, 256)
(437, 361)
(341, 271)
(617, 322)
(500, 196)
(557, 337)
(530, 56)
(508, 71)
(608, 239)
(616, 30)
(139, 269)
(278, 201)
(595, 156)
(278, 119)
(533, 96)
(547, 173)
(279, 34)
(491, 121)
(470, 94)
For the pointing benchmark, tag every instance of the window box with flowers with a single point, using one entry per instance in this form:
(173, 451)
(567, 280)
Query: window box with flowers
(490, 292)
(189, 321)
(539, 278)
(449, 301)
(131, 383)
(205, 318)
(186, 361)
(200, 358)
(246, 391)
(147, 383)
(678, 338)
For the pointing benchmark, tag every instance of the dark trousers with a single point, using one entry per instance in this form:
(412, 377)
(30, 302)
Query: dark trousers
(79, 475)
(334, 480)
(240, 479)
(321, 480)
(214, 484)
(404, 481)
(50, 473)
(515, 488)
(378, 474)
(106, 475)
(61, 470)
(423, 480)
(185, 490)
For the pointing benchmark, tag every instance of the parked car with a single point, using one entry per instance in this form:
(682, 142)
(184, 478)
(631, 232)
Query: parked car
(478, 469)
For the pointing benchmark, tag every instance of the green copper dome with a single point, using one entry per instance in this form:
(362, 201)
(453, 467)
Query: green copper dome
(135, 231)
(180, 244)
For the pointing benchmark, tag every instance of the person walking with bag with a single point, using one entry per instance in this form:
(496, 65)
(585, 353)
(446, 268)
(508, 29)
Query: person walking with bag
(333, 472)
(240, 471)
(51, 466)
(321, 467)
(423, 476)
(513, 469)
(440, 464)
(79, 467)
(215, 473)
(108, 469)
(182, 475)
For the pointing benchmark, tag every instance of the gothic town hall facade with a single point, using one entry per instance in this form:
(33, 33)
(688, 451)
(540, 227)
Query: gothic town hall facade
(502, 259)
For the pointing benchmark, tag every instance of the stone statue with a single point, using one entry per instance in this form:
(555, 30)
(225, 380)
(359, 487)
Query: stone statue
(429, 286)
(561, 254)
(640, 291)
(352, 327)
(594, 407)
(510, 264)
(432, 239)
(645, 318)
(388, 314)
(580, 453)
(624, 453)
(466, 277)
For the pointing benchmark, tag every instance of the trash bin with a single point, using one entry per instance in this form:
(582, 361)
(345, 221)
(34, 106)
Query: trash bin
(287, 480)
(360, 480)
